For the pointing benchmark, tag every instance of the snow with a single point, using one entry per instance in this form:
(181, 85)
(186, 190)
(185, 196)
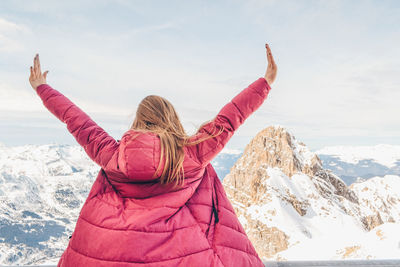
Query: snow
(383, 242)
(380, 194)
(309, 231)
(326, 231)
(304, 155)
(51, 262)
(30, 175)
(42, 190)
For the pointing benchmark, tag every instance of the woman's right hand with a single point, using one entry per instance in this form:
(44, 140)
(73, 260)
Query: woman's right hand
(270, 74)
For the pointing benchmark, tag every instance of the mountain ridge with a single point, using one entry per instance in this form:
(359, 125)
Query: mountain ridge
(282, 194)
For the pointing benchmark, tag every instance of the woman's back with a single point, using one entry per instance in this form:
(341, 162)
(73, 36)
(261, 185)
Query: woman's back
(130, 219)
(156, 224)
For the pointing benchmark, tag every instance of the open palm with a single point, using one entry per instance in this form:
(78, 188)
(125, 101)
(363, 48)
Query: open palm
(37, 78)
(270, 74)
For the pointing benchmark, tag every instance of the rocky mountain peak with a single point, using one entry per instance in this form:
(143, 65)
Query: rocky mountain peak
(276, 147)
(274, 170)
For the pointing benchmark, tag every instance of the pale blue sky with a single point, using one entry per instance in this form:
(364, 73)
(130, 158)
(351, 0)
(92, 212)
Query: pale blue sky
(338, 65)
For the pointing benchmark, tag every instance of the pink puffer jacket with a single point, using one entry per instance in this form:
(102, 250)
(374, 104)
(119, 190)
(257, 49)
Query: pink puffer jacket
(128, 219)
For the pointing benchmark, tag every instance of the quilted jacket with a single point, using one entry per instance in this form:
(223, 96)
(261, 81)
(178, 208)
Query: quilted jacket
(129, 219)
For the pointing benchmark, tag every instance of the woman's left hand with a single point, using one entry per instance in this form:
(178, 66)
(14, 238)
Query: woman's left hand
(37, 78)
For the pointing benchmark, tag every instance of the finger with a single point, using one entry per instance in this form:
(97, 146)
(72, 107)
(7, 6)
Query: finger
(31, 76)
(271, 57)
(270, 61)
(35, 65)
(34, 68)
(38, 62)
(45, 74)
(273, 64)
(273, 60)
(269, 53)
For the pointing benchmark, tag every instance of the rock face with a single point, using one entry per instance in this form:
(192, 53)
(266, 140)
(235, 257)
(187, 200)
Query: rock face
(275, 147)
(372, 221)
(283, 196)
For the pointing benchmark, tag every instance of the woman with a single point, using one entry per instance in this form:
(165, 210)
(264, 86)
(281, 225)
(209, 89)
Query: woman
(157, 200)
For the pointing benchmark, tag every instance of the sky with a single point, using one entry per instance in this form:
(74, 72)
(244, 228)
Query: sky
(338, 65)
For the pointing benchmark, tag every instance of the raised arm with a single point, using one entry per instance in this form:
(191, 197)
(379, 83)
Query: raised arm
(96, 142)
(233, 114)
(230, 117)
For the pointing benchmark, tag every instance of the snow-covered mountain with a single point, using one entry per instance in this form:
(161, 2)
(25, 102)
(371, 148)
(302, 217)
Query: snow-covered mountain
(288, 202)
(42, 190)
(294, 209)
(358, 163)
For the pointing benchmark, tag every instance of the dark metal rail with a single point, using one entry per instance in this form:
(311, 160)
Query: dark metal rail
(328, 263)
(347, 263)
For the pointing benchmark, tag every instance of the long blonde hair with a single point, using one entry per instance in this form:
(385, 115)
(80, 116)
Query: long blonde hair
(156, 114)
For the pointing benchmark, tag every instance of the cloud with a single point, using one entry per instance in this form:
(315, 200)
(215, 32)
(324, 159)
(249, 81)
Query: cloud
(10, 33)
(9, 45)
(337, 72)
(8, 26)
(13, 100)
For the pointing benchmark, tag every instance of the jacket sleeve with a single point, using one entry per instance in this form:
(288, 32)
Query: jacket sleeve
(98, 145)
(230, 117)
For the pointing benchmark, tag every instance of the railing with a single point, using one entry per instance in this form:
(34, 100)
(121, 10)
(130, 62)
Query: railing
(347, 263)
(328, 263)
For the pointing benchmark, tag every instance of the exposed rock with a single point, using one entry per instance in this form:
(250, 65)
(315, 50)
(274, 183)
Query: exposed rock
(341, 188)
(267, 240)
(278, 240)
(274, 147)
(274, 150)
(372, 221)
(299, 206)
(245, 184)
(376, 196)
(349, 251)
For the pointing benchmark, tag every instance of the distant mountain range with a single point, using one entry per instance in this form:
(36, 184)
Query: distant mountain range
(358, 163)
(43, 187)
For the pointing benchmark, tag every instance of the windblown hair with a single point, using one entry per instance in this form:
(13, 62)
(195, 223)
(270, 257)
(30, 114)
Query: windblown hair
(156, 114)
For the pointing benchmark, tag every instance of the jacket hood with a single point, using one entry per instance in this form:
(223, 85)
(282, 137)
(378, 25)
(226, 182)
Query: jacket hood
(144, 149)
